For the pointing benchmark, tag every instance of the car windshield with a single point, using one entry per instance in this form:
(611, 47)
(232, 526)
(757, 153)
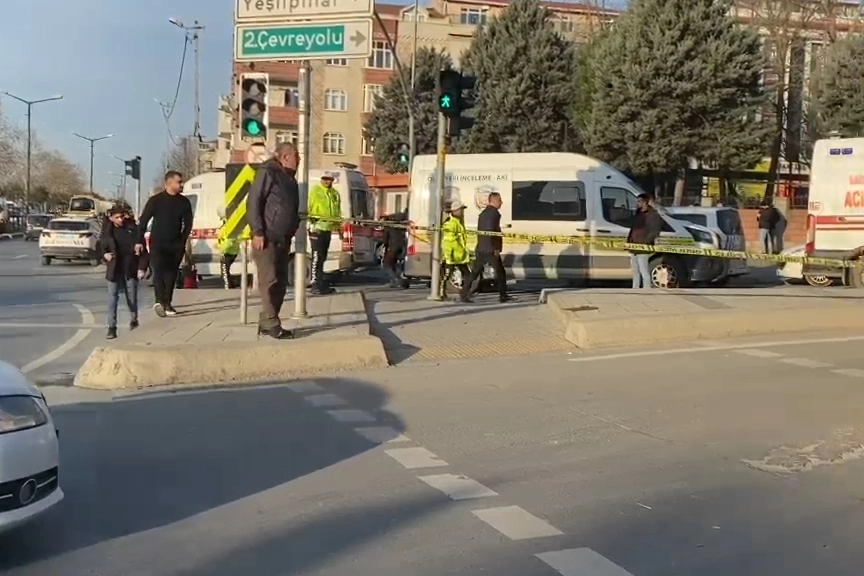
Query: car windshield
(69, 226)
(39, 221)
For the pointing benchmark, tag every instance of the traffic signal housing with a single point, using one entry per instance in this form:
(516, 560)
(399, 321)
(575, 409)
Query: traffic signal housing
(404, 156)
(133, 168)
(454, 99)
(254, 114)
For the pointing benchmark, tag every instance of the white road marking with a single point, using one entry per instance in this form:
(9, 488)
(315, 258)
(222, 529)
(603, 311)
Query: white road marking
(186, 390)
(325, 400)
(725, 347)
(87, 318)
(458, 487)
(581, 562)
(38, 325)
(855, 372)
(805, 363)
(20, 257)
(516, 523)
(413, 458)
(349, 415)
(305, 388)
(756, 353)
(382, 434)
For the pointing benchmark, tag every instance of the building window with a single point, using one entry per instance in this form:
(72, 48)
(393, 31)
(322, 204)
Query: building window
(289, 136)
(381, 57)
(549, 201)
(409, 16)
(565, 25)
(208, 166)
(370, 93)
(335, 100)
(367, 148)
(472, 16)
(396, 202)
(292, 97)
(337, 62)
(817, 56)
(334, 143)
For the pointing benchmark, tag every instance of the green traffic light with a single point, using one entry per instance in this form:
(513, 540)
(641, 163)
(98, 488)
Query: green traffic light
(254, 128)
(446, 101)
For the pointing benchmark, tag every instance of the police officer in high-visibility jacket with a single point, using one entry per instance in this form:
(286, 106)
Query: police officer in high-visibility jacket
(454, 247)
(325, 212)
(229, 248)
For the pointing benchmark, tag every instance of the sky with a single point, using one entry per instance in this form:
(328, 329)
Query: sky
(110, 59)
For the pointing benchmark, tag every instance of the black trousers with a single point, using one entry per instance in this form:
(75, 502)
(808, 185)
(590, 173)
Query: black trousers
(480, 261)
(165, 263)
(447, 271)
(225, 269)
(320, 249)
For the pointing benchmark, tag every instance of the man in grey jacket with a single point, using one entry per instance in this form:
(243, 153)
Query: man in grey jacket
(273, 207)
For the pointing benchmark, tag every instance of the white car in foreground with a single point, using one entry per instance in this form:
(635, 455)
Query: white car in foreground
(794, 271)
(29, 451)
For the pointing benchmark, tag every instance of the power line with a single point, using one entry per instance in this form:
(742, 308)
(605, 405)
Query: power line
(170, 110)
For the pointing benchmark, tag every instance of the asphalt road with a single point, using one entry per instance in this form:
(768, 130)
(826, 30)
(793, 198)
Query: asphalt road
(642, 463)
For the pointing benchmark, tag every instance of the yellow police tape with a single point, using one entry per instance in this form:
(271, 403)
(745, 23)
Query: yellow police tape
(663, 246)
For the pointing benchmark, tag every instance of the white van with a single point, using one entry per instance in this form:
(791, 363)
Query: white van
(835, 208)
(725, 222)
(553, 194)
(206, 193)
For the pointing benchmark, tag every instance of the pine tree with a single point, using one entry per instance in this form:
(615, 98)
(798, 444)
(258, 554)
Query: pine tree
(388, 124)
(677, 79)
(838, 89)
(524, 70)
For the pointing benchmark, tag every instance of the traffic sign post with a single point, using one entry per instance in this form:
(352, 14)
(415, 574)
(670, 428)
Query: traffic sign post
(303, 41)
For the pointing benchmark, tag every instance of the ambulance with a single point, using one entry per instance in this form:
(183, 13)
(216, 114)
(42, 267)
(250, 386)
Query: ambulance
(356, 248)
(835, 208)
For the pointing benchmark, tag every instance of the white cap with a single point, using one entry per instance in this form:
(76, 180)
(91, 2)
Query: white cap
(456, 205)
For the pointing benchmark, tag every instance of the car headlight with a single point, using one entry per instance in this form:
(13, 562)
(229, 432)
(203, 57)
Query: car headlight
(20, 413)
(704, 237)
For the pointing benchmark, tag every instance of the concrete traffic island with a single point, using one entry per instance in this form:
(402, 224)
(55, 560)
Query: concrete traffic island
(206, 343)
(609, 318)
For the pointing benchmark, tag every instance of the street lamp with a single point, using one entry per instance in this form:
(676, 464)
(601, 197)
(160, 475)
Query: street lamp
(92, 142)
(30, 104)
(192, 35)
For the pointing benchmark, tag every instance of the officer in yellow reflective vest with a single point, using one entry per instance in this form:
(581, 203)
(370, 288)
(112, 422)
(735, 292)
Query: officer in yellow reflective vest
(324, 203)
(229, 248)
(454, 247)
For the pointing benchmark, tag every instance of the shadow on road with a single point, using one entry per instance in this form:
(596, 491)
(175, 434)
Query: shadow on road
(147, 461)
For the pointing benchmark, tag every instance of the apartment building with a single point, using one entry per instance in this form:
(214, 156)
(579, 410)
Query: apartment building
(344, 90)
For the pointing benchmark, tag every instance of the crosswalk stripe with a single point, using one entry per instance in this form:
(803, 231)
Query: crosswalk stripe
(458, 487)
(413, 458)
(325, 400)
(305, 388)
(381, 434)
(759, 353)
(516, 523)
(350, 415)
(581, 562)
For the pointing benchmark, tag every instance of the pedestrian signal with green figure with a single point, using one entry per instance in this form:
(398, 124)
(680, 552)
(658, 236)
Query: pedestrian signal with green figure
(454, 247)
(229, 248)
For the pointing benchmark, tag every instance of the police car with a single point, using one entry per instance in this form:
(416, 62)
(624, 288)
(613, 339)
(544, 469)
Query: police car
(70, 239)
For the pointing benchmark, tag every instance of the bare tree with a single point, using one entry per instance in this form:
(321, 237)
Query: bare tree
(183, 157)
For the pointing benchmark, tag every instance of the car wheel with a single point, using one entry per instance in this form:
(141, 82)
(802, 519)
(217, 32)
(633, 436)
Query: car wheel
(819, 281)
(308, 271)
(668, 273)
(46, 260)
(94, 262)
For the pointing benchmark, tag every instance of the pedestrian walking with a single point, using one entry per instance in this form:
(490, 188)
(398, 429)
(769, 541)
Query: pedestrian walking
(768, 218)
(395, 244)
(454, 247)
(489, 247)
(273, 207)
(325, 214)
(171, 213)
(645, 230)
(229, 248)
(125, 266)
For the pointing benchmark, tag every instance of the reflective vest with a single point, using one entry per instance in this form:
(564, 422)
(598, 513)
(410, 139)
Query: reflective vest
(454, 243)
(227, 246)
(325, 203)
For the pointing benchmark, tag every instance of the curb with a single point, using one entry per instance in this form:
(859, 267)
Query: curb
(143, 367)
(636, 331)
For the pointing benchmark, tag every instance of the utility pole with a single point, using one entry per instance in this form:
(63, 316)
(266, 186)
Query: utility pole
(29, 104)
(305, 110)
(92, 142)
(412, 137)
(193, 35)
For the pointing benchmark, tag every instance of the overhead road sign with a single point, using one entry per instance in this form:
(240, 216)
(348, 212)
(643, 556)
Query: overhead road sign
(258, 10)
(303, 41)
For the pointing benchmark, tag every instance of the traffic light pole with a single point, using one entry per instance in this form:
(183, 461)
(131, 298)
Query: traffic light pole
(305, 110)
(437, 207)
(138, 191)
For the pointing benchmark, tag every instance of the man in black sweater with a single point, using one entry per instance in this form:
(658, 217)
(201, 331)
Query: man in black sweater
(488, 250)
(171, 213)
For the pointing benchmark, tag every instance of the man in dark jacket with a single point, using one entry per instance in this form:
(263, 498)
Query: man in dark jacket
(125, 266)
(645, 230)
(488, 250)
(768, 219)
(273, 207)
(395, 243)
(171, 213)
